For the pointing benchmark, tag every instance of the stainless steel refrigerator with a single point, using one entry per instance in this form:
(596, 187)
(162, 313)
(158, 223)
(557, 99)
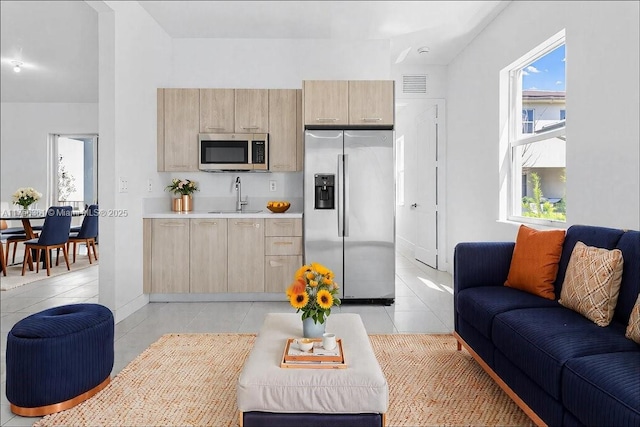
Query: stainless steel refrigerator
(349, 210)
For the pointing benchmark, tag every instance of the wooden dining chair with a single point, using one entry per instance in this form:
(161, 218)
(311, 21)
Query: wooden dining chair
(2, 260)
(87, 234)
(54, 235)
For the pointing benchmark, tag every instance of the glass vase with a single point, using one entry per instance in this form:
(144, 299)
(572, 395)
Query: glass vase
(310, 329)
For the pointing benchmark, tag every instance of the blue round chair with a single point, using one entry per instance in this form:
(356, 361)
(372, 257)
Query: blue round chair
(58, 358)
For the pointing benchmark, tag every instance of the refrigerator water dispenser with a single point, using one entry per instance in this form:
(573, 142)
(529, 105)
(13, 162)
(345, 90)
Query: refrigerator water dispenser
(324, 191)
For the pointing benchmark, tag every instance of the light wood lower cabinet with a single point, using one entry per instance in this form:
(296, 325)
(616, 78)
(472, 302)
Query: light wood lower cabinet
(279, 272)
(246, 255)
(208, 260)
(221, 255)
(283, 252)
(168, 245)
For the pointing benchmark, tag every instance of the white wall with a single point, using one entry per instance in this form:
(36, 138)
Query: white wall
(24, 135)
(134, 60)
(603, 157)
(275, 63)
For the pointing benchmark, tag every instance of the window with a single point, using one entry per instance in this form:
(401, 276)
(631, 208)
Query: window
(537, 142)
(74, 178)
(527, 121)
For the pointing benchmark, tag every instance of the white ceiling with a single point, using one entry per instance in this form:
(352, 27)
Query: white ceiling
(58, 40)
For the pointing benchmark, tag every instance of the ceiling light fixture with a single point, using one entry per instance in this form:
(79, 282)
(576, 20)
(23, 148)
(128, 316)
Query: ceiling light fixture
(16, 66)
(423, 49)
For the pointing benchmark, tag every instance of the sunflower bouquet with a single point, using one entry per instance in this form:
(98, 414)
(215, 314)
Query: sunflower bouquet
(314, 292)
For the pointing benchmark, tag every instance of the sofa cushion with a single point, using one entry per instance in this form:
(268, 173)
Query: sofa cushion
(633, 329)
(600, 237)
(534, 264)
(540, 340)
(629, 244)
(603, 389)
(478, 306)
(592, 282)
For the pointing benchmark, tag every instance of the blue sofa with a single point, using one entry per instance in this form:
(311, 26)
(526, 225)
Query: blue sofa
(558, 366)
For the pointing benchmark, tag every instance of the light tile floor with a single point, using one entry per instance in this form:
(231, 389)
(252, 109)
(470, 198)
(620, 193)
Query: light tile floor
(423, 304)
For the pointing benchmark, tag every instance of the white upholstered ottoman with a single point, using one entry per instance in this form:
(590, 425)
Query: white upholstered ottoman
(270, 395)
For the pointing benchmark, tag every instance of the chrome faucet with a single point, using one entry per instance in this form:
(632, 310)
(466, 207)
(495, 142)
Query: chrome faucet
(239, 202)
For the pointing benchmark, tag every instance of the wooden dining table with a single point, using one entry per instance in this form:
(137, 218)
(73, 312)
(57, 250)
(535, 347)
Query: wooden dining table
(26, 217)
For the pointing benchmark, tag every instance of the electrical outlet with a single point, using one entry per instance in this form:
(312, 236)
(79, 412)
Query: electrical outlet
(123, 185)
(149, 185)
(272, 185)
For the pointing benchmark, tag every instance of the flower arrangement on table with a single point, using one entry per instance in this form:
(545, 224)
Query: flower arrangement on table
(185, 187)
(313, 292)
(26, 196)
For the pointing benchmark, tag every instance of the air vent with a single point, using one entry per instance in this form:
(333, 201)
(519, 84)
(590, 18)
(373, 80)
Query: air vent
(414, 84)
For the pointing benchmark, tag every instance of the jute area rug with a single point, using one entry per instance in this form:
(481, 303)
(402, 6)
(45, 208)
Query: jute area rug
(14, 277)
(190, 379)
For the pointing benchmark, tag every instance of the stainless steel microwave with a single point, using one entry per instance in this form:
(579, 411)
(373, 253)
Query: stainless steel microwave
(233, 151)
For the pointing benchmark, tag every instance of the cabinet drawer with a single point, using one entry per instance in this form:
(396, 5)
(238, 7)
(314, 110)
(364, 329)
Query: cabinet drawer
(283, 246)
(279, 272)
(283, 227)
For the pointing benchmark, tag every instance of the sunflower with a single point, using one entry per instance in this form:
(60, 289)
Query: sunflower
(301, 271)
(324, 299)
(327, 281)
(321, 269)
(299, 300)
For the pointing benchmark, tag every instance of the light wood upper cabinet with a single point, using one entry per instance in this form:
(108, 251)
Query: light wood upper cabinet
(169, 269)
(326, 102)
(252, 110)
(208, 261)
(371, 102)
(284, 128)
(178, 124)
(246, 254)
(217, 109)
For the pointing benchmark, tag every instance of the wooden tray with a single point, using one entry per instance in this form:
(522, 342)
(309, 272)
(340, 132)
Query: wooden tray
(310, 361)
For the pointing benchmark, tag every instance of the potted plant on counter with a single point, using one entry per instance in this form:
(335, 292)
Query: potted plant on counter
(185, 189)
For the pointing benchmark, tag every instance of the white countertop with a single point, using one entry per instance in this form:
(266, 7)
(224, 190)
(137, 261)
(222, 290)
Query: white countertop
(205, 214)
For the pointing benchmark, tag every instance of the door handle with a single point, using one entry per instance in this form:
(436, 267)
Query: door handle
(415, 205)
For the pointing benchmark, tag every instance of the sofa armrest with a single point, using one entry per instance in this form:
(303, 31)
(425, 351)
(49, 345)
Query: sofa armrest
(481, 264)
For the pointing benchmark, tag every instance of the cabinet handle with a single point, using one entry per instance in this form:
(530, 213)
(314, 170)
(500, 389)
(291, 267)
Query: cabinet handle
(326, 119)
(215, 127)
(282, 223)
(249, 127)
(283, 243)
(208, 223)
(171, 224)
(247, 224)
(275, 264)
(371, 119)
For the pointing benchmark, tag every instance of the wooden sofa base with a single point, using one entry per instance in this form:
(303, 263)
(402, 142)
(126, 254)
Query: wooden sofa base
(525, 408)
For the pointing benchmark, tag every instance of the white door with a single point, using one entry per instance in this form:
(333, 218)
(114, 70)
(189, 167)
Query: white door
(426, 205)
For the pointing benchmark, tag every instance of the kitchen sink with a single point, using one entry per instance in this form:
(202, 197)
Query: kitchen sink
(244, 211)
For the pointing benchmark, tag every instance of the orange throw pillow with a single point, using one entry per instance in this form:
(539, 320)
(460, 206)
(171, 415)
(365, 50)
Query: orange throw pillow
(534, 265)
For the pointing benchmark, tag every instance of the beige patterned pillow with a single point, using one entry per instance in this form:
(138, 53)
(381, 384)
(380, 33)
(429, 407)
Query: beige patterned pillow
(633, 330)
(592, 282)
